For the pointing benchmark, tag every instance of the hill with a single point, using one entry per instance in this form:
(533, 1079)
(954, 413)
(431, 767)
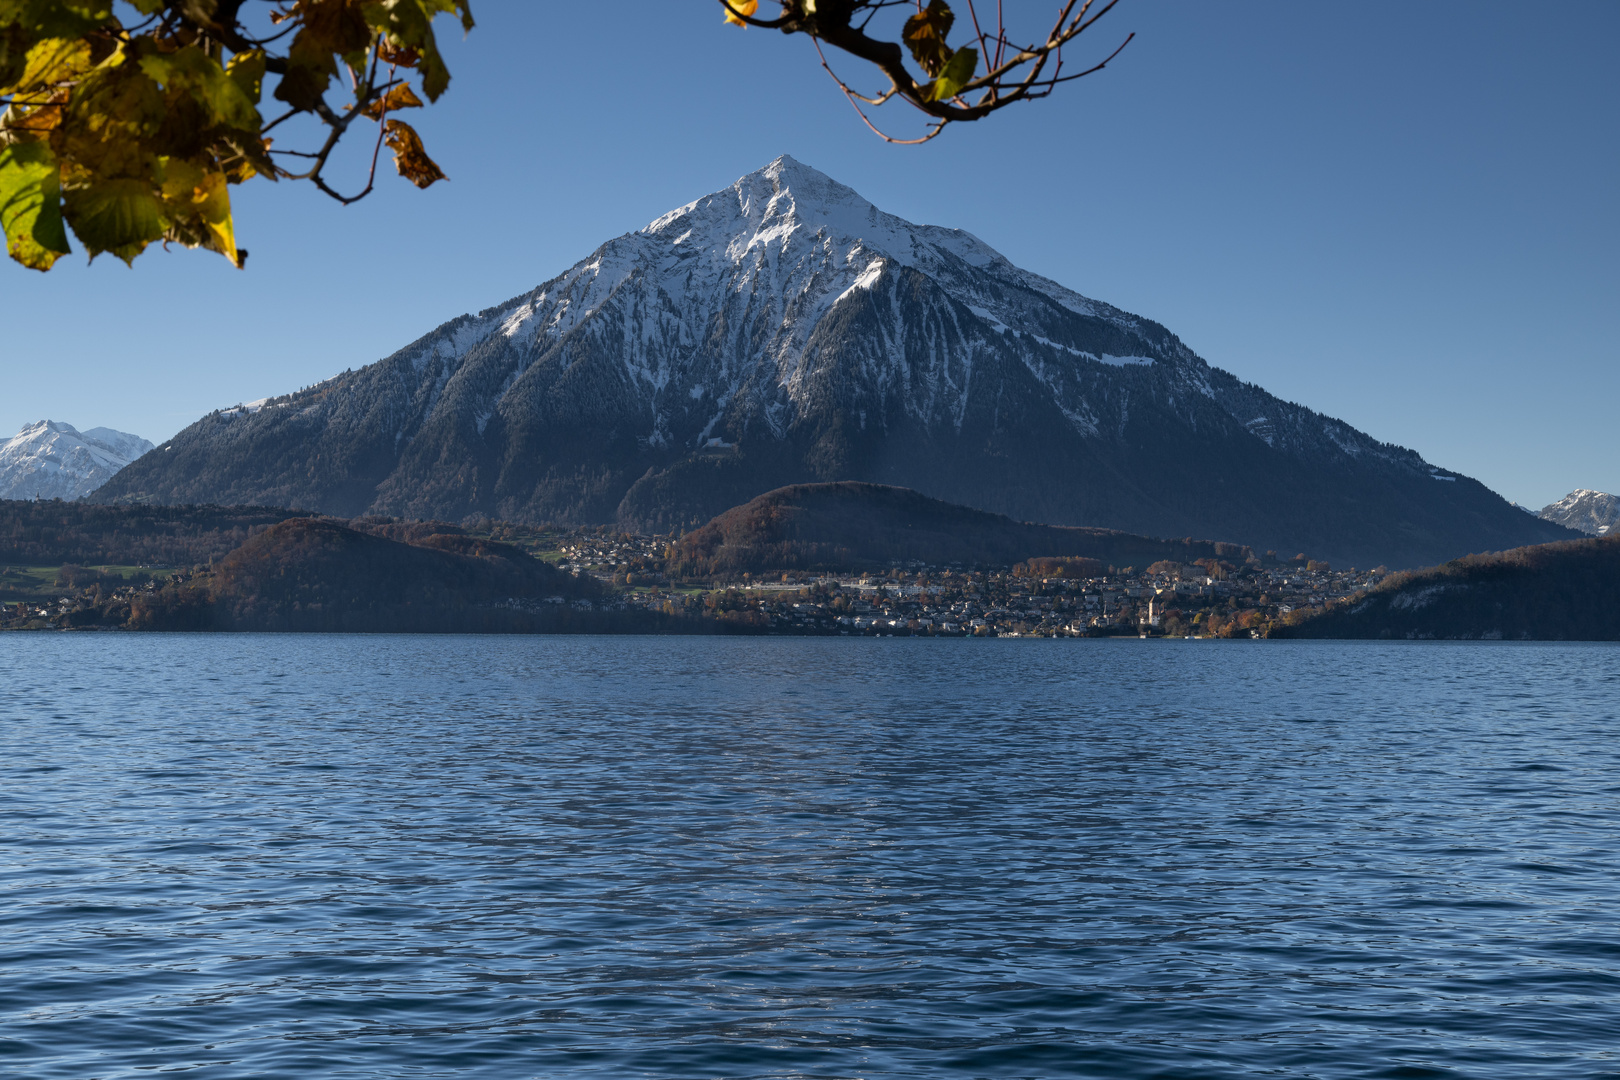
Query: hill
(313, 575)
(785, 331)
(855, 526)
(1568, 591)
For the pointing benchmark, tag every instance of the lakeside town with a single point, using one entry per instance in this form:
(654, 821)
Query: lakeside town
(1211, 598)
(1041, 598)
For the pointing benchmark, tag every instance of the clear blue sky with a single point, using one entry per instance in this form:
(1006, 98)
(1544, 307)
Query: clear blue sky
(1404, 215)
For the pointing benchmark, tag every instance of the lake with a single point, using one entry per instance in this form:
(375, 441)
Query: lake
(346, 857)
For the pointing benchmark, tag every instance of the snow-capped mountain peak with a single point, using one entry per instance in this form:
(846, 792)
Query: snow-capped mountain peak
(1594, 512)
(51, 460)
(783, 328)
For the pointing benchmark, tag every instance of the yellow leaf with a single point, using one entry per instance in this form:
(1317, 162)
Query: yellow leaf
(746, 7)
(197, 207)
(52, 61)
(213, 202)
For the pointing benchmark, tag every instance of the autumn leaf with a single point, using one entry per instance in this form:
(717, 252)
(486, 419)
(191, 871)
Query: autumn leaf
(194, 73)
(52, 61)
(116, 111)
(400, 97)
(127, 135)
(57, 18)
(120, 216)
(197, 207)
(246, 69)
(925, 33)
(397, 55)
(30, 204)
(744, 7)
(409, 157)
(407, 24)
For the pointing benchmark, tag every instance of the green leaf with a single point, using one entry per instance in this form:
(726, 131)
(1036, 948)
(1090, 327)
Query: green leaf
(194, 72)
(30, 204)
(408, 24)
(56, 18)
(246, 69)
(309, 69)
(121, 216)
(958, 73)
(14, 45)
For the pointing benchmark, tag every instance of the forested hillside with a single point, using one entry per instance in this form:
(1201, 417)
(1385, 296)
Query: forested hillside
(854, 526)
(315, 575)
(53, 532)
(1568, 591)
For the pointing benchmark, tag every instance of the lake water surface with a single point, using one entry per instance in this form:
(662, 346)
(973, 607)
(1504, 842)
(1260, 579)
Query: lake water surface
(343, 857)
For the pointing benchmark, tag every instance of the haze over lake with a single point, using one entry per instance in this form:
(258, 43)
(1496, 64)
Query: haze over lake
(370, 856)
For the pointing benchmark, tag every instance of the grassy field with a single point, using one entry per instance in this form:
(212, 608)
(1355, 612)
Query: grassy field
(40, 582)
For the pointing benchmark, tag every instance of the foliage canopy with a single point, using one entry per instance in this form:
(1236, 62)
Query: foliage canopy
(129, 126)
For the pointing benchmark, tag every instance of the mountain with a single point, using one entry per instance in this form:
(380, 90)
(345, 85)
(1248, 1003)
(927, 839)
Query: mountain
(785, 331)
(854, 526)
(1587, 511)
(49, 460)
(1568, 591)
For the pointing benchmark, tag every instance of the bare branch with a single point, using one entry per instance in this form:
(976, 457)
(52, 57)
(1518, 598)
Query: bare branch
(1009, 72)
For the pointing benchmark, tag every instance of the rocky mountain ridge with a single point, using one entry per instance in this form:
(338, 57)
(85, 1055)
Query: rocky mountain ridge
(784, 330)
(1584, 510)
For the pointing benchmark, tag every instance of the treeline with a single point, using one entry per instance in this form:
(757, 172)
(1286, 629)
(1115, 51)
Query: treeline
(1568, 591)
(54, 533)
(856, 526)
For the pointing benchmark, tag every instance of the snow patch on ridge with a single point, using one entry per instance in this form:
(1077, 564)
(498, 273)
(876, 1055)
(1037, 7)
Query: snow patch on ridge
(247, 409)
(865, 279)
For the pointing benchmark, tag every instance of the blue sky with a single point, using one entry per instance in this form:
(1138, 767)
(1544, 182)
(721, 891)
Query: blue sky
(1403, 215)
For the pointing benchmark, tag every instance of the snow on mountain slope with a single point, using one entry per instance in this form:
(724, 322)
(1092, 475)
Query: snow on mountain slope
(820, 338)
(1594, 512)
(50, 460)
(719, 301)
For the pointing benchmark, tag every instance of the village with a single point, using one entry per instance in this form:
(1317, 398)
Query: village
(1215, 600)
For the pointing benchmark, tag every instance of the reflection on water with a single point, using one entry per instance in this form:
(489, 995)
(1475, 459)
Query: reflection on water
(460, 857)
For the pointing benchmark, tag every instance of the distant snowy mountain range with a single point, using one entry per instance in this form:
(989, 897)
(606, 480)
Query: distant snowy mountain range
(785, 330)
(1594, 512)
(51, 460)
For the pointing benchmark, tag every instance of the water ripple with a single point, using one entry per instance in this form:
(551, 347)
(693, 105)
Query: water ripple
(395, 857)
